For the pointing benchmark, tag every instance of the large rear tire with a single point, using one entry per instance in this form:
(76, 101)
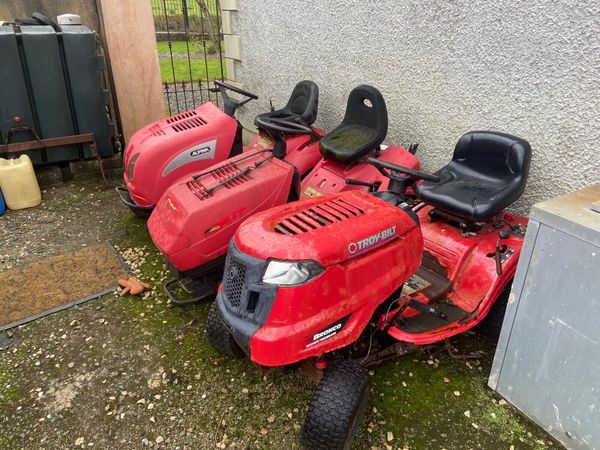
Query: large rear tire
(219, 336)
(492, 324)
(337, 408)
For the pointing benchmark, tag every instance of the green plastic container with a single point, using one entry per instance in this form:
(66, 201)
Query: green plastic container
(53, 81)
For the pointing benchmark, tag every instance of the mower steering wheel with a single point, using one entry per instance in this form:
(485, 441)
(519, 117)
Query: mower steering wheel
(230, 105)
(281, 126)
(414, 174)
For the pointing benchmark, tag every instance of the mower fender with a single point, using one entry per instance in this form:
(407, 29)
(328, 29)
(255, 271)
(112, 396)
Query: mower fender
(196, 218)
(329, 176)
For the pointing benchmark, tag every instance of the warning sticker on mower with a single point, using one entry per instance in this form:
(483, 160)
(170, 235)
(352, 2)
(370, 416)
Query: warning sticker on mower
(414, 284)
(311, 192)
(264, 142)
(328, 332)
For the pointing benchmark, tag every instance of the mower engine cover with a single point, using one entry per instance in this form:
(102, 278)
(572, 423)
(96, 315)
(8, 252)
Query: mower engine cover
(305, 278)
(196, 218)
(165, 151)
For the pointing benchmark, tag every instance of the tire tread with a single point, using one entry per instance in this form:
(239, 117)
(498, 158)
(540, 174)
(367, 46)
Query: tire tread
(219, 336)
(330, 414)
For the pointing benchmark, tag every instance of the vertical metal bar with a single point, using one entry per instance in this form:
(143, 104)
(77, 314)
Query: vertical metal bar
(168, 98)
(204, 47)
(220, 25)
(186, 24)
(171, 54)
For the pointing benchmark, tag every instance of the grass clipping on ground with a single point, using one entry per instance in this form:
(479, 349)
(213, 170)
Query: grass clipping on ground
(59, 280)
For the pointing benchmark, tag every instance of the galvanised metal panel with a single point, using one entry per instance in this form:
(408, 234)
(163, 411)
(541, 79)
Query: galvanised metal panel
(89, 99)
(48, 88)
(547, 362)
(14, 99)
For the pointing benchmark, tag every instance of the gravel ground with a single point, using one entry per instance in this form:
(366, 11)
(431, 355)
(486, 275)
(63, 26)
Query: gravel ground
(129, 373)
(72, 215)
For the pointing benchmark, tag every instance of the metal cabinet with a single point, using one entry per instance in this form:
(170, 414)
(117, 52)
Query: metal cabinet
(547, 362)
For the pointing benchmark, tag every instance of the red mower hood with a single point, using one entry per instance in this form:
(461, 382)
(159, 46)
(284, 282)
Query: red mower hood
(327, 229)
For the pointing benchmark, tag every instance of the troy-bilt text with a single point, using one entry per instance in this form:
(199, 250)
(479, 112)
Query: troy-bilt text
(378, 238)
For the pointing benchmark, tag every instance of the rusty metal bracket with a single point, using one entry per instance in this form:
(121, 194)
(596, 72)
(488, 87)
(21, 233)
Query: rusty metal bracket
(42, 144)
(395, 350)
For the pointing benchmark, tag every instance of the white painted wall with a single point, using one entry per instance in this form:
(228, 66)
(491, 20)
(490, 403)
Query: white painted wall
(530, 68)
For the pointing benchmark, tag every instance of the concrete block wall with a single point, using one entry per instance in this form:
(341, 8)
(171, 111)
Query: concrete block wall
(444, 68)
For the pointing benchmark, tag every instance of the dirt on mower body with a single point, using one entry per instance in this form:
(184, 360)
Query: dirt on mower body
(378, 275)
(185, 144)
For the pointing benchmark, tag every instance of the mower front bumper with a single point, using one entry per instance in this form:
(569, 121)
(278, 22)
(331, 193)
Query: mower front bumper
(244, 300)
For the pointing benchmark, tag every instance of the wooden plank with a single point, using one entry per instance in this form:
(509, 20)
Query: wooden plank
(26, 146)
(128, 28)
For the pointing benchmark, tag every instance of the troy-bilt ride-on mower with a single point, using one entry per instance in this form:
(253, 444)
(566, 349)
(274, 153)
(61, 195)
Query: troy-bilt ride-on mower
(161, 153)
(375, 275)
(194, 221)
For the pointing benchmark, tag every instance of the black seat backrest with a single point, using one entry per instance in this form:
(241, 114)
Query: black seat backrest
(303, 102)
(488, 172)
(366, 107)
(493, 155)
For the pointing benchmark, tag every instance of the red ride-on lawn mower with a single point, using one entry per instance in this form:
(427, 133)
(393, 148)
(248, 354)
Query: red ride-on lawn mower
(376, 275)
(162, 153)
(195, 220)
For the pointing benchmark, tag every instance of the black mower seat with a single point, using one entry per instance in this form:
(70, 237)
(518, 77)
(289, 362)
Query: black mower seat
(488, 173)
(363, 129)
(302, 105)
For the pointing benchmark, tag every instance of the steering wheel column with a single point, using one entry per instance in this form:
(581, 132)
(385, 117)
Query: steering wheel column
(230, 105)
(401, 178)
(278, 128)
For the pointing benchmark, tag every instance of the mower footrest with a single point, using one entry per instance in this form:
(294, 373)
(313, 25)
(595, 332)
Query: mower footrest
(423, 321)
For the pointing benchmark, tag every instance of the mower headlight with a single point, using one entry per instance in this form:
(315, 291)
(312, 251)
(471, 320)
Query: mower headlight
(131, 165)
(286, 273)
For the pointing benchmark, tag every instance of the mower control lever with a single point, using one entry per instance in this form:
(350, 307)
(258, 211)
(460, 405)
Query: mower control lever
(372, 186)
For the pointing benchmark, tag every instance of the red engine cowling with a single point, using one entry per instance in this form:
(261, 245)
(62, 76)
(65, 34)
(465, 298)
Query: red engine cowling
(366, 248)
(194, 221)
(163, 152)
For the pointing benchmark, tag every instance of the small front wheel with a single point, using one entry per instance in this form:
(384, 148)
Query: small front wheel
(337, 408)
(219, 336)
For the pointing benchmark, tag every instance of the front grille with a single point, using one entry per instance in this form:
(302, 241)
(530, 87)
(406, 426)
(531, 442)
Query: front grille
(198, 189)
(181, 116)
(233, 283)
(317, 216)
(229, 174)
(155, 130)
(188, 124)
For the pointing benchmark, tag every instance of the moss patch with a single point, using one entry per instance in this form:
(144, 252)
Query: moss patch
(127, 372)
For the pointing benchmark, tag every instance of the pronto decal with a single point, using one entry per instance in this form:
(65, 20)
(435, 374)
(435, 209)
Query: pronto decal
(328, 332)
(198, 152)
(375, 240)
